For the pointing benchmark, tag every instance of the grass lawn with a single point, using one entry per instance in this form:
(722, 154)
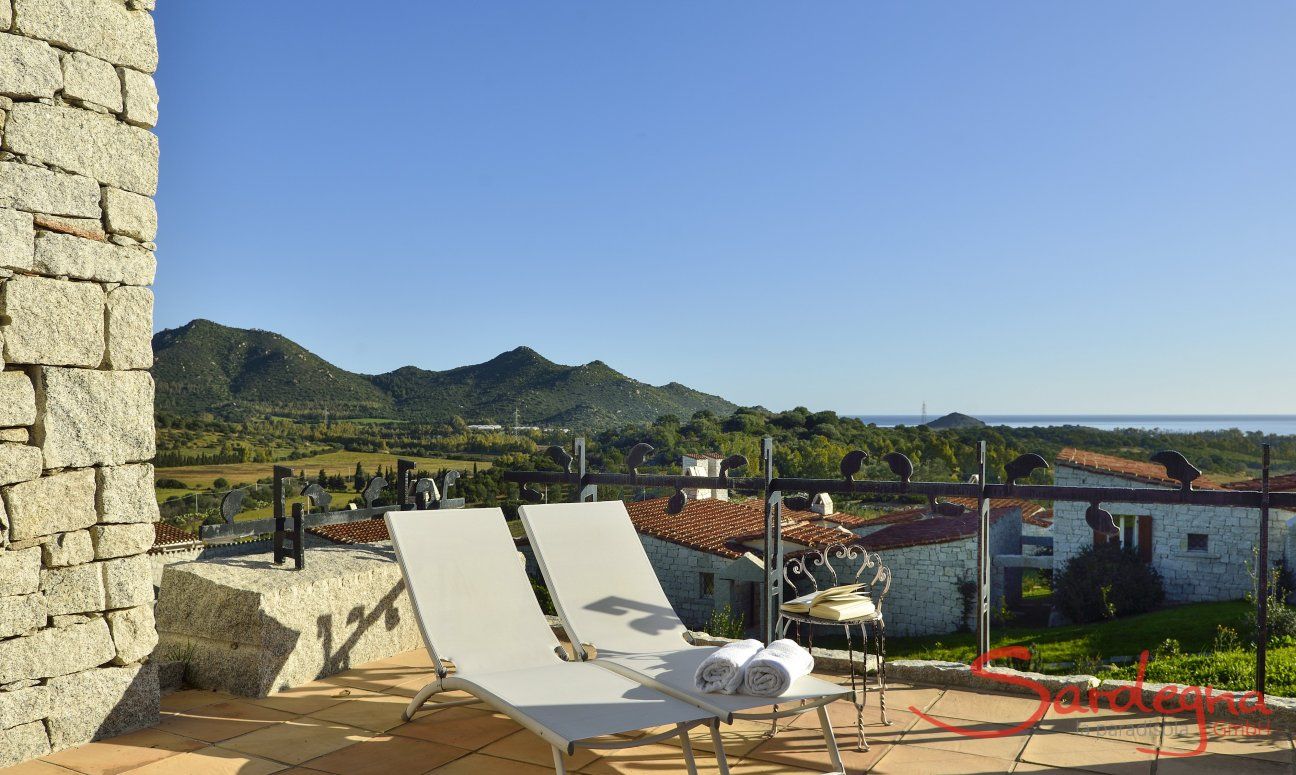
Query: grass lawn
(1194, 626)
(343, 463)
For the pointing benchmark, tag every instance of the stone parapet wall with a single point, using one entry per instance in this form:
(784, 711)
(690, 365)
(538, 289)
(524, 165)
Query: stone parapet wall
(78, 170)
(679, 569)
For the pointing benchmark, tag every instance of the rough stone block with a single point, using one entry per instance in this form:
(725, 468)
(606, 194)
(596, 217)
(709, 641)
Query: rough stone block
(17, 240)
(88, 418)
(28, 68)
(86, 259)
(53, 322)
(103, 28)
(52, 504)
(19, 616)
(53, 652)
(130, 328)
(256, 631)
(134, 633)
(20, 572)
(17, 399)
(19, 463)
(126, 494)
(129, 214)
(91, 80)
(15, 435)
(88, 228)
(141, 97)
(121, 540)
(102, 703)
(23, 742)
(24, 706)
(37, 189)
(66, 549)
(89, 143)
(6, 16)
(73, 590)
(128, 581)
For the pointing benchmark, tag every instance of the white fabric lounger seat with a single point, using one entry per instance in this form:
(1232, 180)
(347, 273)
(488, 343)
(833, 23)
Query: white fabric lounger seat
(475, 606)
(608, 595)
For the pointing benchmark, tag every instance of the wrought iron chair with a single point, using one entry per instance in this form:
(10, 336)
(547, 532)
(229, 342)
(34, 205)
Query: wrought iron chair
(799, 573)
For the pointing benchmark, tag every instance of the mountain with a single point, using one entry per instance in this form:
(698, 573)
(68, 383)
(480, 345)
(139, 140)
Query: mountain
(955, 420)
(206, 367)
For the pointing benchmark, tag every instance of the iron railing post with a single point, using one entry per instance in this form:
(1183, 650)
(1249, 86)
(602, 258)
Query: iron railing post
(773, 544)
(983, 552)
(1262, 579)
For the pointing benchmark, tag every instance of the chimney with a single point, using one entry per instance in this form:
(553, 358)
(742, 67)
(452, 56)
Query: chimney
(706, 464)
(822, 504)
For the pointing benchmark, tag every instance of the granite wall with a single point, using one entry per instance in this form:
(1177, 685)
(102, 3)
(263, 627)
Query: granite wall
(78, 169)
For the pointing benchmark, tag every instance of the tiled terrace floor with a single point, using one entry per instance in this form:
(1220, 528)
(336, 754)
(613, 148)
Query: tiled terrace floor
(350, 724)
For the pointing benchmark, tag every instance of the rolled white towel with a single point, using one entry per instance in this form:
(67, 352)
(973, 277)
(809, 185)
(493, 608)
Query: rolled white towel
(722, 672)
(773, 670)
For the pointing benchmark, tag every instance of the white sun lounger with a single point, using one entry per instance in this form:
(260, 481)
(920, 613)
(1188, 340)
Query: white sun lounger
(475, 607)
(608, 595)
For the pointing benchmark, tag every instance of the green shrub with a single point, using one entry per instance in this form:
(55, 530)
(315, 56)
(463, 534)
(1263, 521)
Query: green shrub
(170, 484)
(1104, 582)
(724, 623)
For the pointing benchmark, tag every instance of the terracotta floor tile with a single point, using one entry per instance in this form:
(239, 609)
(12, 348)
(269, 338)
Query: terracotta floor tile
(842, 716)
(906, 760)
(387, 755)
(1027, 767)
(221, 721)
(654, 759)
(375, 712)
(1001, 745)
(477, 764)
(124, 753)
(1142, 729)
(309, 698)
(1008, 709)
(416, 658)
(906, 696)
(299, 741)
(193, 698)
(738, 738)
(467, 728)
(1087, 753)
(379, 676)
(37, 767)
(1208, 763)
(806, 748)
(1223, 738)
(210, 761)
(525, 746)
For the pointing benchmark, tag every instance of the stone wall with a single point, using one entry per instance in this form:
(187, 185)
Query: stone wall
(679, 569)
(1219, 573)
(78, 168)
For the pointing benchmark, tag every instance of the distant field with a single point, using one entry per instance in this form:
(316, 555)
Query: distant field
(333, 463)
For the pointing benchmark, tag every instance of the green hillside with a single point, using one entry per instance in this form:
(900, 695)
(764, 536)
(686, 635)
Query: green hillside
(206, 367)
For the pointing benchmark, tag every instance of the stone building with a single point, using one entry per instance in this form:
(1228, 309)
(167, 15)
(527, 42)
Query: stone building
(1202, 552)
(78, 168)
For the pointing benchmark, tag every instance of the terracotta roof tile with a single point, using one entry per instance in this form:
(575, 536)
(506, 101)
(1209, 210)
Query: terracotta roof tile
(934, 530)
(364, 531)
(716, 526)
(167, 537)
(1139, 471)
(1280, 483)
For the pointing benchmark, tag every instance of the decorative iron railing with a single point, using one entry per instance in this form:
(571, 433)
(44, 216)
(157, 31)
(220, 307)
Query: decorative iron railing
(577, 475)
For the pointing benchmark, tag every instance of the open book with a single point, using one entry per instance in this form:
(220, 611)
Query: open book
(835, 604)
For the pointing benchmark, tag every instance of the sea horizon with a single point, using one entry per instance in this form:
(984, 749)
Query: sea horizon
(1277, 424)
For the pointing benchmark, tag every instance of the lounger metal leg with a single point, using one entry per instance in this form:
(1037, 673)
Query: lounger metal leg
(559, 766)
(420, 698)
(834, 755)
(721, 760)
(687, 745)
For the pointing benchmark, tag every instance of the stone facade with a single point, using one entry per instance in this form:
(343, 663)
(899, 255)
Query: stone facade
(78, 168)
(680, 570)
(1219, 571)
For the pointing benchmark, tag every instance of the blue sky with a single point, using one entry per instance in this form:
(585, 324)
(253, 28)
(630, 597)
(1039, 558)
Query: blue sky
(991, 207)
